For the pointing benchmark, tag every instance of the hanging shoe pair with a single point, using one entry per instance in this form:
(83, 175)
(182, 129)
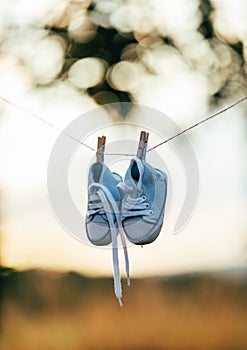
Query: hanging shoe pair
(133, 208)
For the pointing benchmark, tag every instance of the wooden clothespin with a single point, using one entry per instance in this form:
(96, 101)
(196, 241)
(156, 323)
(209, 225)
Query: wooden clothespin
(142, 147)
(100, 149)
(145, 146)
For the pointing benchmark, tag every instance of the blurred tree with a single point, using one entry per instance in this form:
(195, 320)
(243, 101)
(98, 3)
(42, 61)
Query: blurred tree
(95, 35)
(111, 49)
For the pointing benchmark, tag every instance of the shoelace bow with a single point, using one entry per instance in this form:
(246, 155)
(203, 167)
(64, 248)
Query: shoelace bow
(102, 202)
(133, 206)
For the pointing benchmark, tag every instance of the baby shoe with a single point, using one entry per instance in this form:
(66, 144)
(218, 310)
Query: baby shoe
(143, 205)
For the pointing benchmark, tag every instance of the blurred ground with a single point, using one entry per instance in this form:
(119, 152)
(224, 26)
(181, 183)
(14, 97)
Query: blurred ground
(51, 310)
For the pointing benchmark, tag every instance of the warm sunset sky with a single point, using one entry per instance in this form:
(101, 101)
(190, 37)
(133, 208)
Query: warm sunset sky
(214, 238)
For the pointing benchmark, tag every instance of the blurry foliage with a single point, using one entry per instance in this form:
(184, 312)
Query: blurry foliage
(225, 70)
(112, 49)
(206, 28)
(69, 311)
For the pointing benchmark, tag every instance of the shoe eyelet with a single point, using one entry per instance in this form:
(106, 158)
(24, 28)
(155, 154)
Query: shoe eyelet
(147, 205)
(144, 197)
(151, 212)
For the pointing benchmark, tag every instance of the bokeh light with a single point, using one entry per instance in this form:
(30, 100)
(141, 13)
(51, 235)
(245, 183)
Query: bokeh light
(87, 72)
(123, 76)
(81, 28)
(138, 39)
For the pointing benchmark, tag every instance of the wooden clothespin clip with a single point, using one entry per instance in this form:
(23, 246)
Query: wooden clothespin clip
(145, 146)
(141, 144)
(100, 149)
(142, 147)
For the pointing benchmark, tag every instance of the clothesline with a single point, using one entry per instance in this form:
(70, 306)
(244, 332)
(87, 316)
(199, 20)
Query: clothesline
(44, 121)
(125, 154)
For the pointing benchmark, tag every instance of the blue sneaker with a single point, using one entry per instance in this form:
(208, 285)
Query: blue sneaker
(103, 222)
(102, 188)
(143, 205)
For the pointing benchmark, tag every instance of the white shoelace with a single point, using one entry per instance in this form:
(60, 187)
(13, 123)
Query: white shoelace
(135, 207)
(102, 202)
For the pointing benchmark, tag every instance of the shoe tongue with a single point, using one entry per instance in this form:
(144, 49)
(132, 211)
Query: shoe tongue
(100, 218)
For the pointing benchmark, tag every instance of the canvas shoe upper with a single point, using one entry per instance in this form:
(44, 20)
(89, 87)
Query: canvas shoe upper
(101, 182)
(143, 205)
(103, 222)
